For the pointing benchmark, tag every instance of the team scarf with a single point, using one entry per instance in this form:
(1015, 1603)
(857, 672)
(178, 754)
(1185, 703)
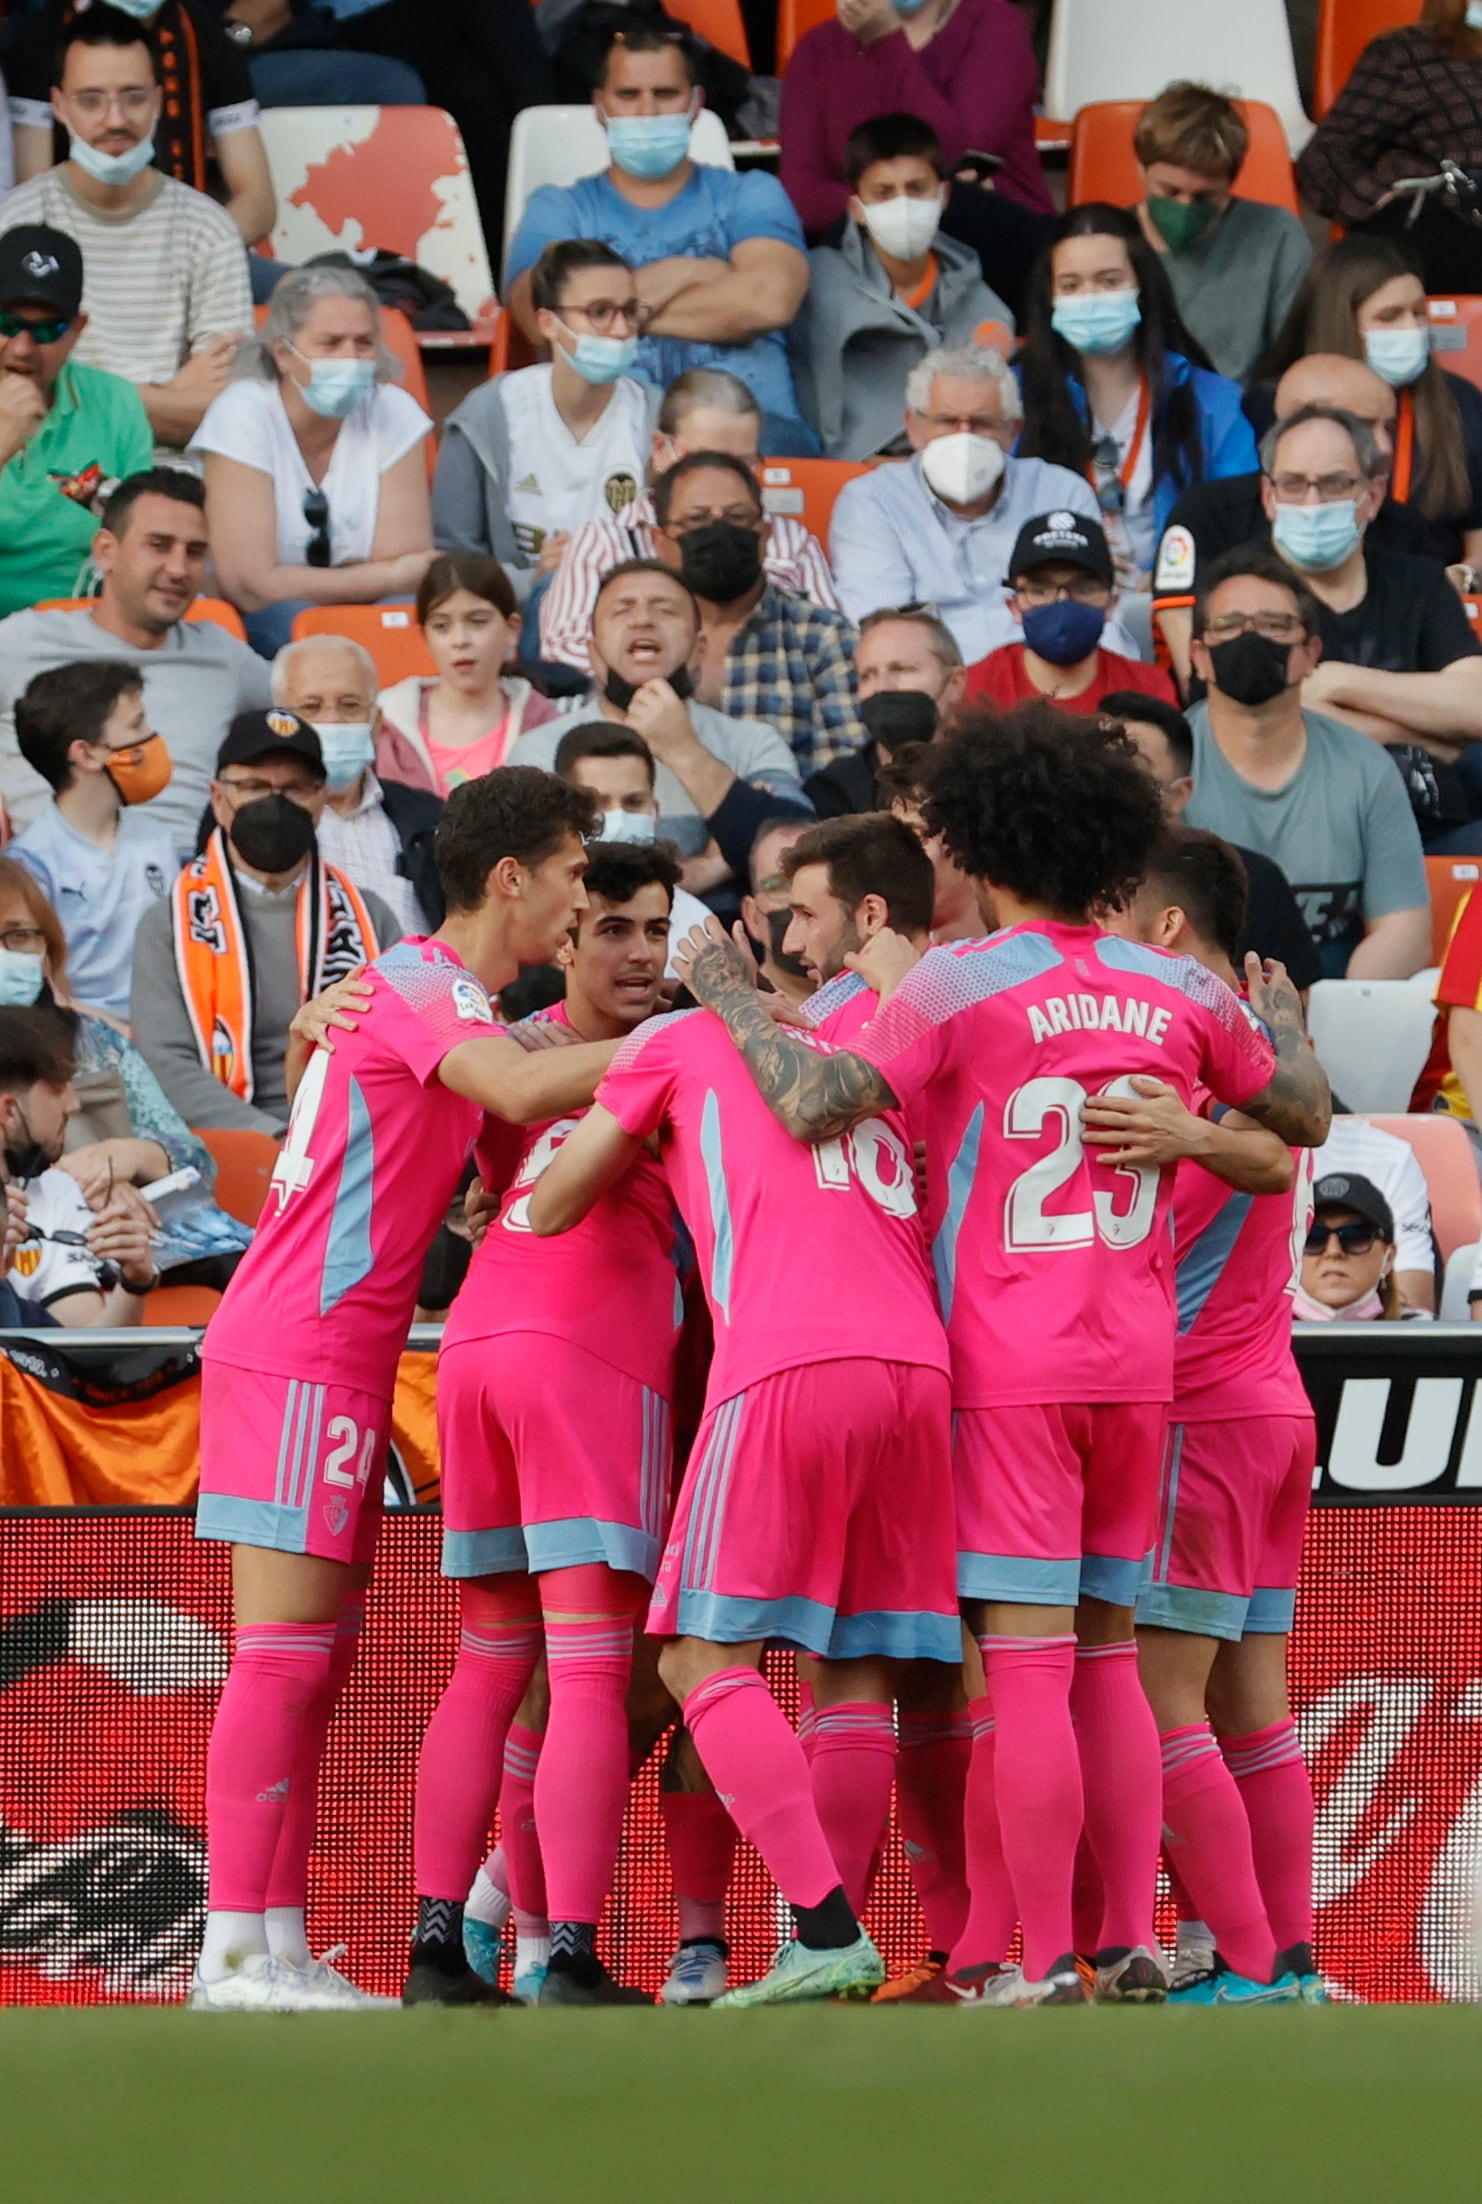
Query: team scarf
(213, 955)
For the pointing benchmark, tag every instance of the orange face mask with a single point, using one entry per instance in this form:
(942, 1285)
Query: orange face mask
(141, 771)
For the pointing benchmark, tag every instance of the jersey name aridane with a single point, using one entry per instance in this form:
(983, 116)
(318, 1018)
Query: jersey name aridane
(1097, 1014)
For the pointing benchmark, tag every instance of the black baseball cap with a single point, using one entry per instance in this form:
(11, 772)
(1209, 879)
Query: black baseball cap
(41, 267)
(1063, 535)
(1350, 1190)
(272, 733)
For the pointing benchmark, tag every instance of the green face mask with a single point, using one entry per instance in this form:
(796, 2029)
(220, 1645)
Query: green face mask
(1179, 222)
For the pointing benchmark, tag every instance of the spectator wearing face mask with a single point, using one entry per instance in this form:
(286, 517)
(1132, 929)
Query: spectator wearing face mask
(766, 910)
(617, 767)
(910, 679)
(892, 290)
(1062, 594)
(1348, 1257)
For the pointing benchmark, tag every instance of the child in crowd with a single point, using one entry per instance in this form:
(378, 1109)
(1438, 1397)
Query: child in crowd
(439, 733)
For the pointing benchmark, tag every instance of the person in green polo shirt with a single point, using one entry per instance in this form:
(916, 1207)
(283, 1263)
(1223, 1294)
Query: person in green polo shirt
(65, 431)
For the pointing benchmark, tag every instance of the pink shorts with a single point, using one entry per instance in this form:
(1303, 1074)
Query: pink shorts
(291, 1465)
(550, 1458)
(817, 1509)
(1232, 1512)
(1056, 1503)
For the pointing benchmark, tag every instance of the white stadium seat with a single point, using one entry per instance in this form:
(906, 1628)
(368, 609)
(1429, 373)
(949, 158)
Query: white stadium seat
(1101, 51)
(1460, 1271)
(1372, 1039)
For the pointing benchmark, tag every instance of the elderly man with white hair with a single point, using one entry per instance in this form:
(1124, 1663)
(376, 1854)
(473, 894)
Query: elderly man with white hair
(378, 832)
(940, 528)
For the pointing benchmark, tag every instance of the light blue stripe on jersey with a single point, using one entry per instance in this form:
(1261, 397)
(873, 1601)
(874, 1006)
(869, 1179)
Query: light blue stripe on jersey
(1183, 974)
(1200, 1265)
(308, 1451)
(960, 1178)
(720, 1204)
(970, 972)
(347, 1257)
(1271, 1612)
(1199, 1614)
(884, 1635)
(1175, 1443)
(833, 995)
(718, 1450)
(289, 1416)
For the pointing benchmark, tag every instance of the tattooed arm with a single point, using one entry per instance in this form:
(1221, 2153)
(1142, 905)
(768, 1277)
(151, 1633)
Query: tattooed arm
(815, 1096)
(1297, 1105)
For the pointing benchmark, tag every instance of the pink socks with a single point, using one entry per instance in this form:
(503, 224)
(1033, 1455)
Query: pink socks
(1122, 1774)
(700, 1838)
(519, 1841)
(581, 1783)
(933, 1751)
(458, 1772)
(1208, 1840)
(1277, 1793)
(992, 1912)
(259, 1742)
(754, 1760)
(1037, 1778)
(288, 1885)
(853, 1768)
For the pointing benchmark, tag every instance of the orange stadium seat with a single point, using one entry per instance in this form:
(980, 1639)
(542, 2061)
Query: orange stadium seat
(718, 20)
(794, 17)
(245, 1161)
(389, 632)
(1450, 879)
(181, 1305)
(1344, 29)
(1104, 166)
(511, 347)
(214, 609)
(1456, 336)
(807, 488)
(1445, 1155)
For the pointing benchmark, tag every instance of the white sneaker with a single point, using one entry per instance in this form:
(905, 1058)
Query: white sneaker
(1193, 1959)
(322, 1979)
(698, 1974)
(259, 1984)
(1137, 1978)
(1063, 1985)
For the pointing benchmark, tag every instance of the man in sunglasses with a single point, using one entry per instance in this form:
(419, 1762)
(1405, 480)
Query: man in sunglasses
(65, 429)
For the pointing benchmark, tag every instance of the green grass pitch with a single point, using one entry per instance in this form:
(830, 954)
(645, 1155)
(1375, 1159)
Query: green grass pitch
(813, 2105)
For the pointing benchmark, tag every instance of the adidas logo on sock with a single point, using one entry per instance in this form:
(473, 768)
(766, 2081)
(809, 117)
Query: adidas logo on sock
(278, 1790)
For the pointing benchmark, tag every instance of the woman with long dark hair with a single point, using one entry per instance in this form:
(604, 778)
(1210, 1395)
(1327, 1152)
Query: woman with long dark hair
(1364, 298)
(1116, 388)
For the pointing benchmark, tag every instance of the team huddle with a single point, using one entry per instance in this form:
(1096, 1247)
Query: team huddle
(1001, 1432)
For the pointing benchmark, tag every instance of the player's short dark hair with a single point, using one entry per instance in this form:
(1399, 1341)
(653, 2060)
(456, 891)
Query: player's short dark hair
(618, 870)
(1207, 880)
(890, 138)
(567, 257)
(170, 482)
(649, 38)
(104, 26)
(35, 1050)
(1154, 711)
(515, 811)
(68, 704)
(870, 853)
(907, 776)
(696, 463)
(1262, 566)
(601, 738)
(1034, 801)
(625, 567)
(482, 577)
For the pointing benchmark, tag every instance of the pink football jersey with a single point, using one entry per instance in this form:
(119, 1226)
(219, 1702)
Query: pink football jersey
(611, 1286)
(807, 1254)
(1054, 1270)
(841, 1009)
(371, 1159)
(1237, 1260)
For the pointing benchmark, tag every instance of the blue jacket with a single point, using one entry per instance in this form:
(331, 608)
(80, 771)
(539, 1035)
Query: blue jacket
(1226, 437)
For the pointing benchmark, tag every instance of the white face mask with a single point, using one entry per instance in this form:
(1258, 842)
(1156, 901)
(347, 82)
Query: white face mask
(903, 228)
(627, 826)
(962, 468)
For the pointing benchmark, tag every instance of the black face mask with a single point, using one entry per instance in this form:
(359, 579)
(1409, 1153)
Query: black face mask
(721, 561)
(620, 693)
(30, 1159)
(271, 834)
(1250, 669)
(894, 717)
(777, 925)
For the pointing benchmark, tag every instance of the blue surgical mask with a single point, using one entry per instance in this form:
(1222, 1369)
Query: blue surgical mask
(909, 7)
(1063, 633)
(139, 10)
(1096, 321)
(20, 979)
(627, 826)
(648, 146)
(1316, 537)
(1398, 355)
(600, 359)
(349, 746)
(335, 387)
(112, 168)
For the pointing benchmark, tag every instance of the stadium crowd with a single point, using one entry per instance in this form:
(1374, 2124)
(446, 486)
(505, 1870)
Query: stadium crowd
(1134, 636)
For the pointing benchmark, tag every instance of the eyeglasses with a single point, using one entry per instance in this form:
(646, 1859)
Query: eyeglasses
(739, 516)
(316, 513)
(134, 101)
(971, 424)
(1291, 489)
(1084, 590)
(604, 313)
(48, 331)
(1277, 627)
(24, 941)
(297, 792)
(1353, 1239)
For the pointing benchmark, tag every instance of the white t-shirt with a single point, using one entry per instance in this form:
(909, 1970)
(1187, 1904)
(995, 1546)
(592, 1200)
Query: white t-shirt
(249, 423)
(1391, 1164)
(45, 1268)
(556, 483)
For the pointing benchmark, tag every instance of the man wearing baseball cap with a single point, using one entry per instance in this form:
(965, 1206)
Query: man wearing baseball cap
(65, 429)
(253, 926)
(1062, 592)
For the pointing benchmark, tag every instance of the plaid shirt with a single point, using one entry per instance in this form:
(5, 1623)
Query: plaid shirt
(792, 665)
(1408, 105)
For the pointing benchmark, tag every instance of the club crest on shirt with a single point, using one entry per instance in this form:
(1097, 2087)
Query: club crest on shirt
(26, 1260)
(154, 879)
(470, 1002)
(336, 1514)
(620, 489)
(81, 487)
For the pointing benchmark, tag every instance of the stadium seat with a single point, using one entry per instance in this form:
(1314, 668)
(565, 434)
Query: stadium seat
(389, 632)
(400, 338)
(214, 609)
(1344, 29)
(511, 348)
(1130, 52)
(244, 1164)
(718, 20)
(1104, 166)
(560, 145)
(807, 488)
(1456, 336)
(394, 177)
(1461, 1268)
(1451, 879)
(180, 1305)
(1444, 1153)
(1372, 1038)
(794, 17)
